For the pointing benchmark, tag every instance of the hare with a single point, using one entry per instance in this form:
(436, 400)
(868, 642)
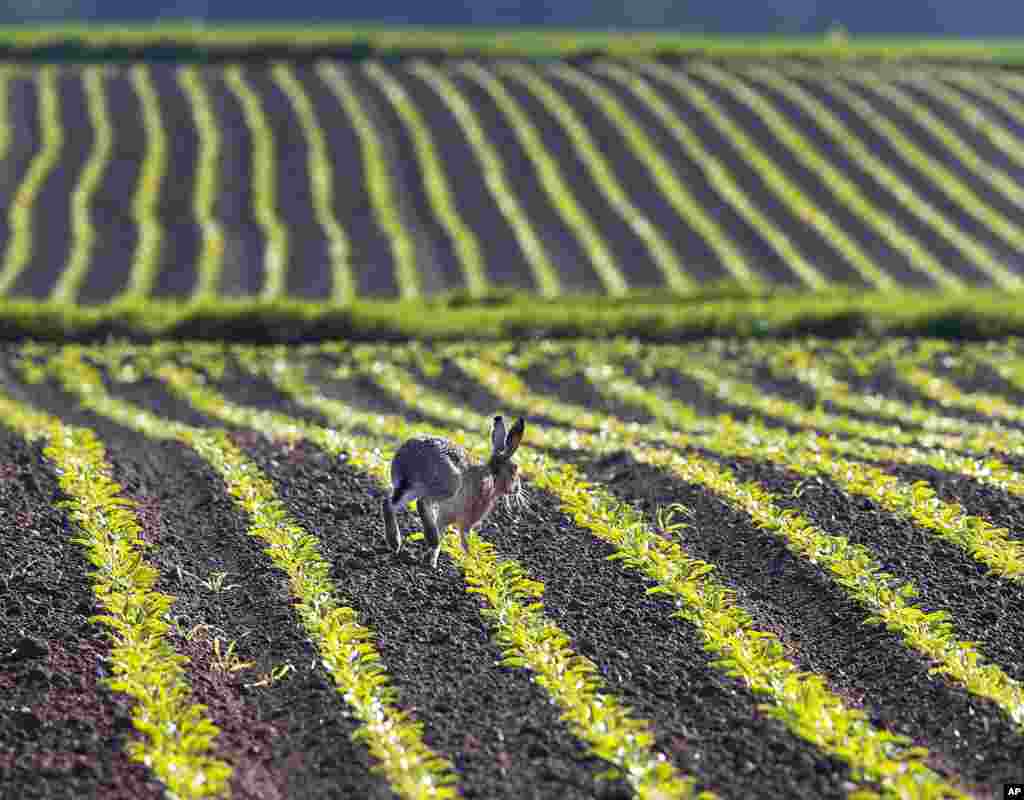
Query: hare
(447, 487)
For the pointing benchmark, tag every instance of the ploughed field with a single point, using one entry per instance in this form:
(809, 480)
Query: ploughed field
(329, 180)
(774, 569)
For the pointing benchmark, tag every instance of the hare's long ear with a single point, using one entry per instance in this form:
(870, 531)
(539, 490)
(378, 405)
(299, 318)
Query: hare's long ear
(497, 435)
(515, 436)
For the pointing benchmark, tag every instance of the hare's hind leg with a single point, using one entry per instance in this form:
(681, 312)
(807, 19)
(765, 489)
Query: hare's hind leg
(428, 513)
(392, 535)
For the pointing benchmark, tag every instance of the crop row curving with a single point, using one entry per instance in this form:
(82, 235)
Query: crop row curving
(760, 138)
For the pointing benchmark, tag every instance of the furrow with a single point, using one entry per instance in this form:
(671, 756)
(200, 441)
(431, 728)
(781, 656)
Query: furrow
(545, 276)
(321, 177)
(948, 395)
(378, 180)
(176, 736)
(752, 655)
(661, 252)
(665, 178)
(84, 234)
(345, 646)
(207, 186)
(716, 172)
(19, 214)
(795, 199)
(969, 246)
(514, 607)
(146, 262)
(844, 189)
(552, 179)
(276, 259)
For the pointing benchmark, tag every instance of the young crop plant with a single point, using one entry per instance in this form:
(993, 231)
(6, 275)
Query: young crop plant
(1000, 98)
(662, 253)
(973, 250)
(176, 737)
(664, 175)
(782, 186)
(555, 184)
(439, 193)
(145, 202)
(5, 122)
(19, 213)
(345, 646)
(322, 184)
(204, 202)
(843, 188)
(83, 234)
(545, 276)
(264, 168)
(513, 600)
(715, 172)
(378, 179)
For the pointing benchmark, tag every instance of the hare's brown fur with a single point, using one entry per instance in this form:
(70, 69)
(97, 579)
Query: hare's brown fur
(447, 487)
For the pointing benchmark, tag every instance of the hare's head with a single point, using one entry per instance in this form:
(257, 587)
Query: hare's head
(503, 447)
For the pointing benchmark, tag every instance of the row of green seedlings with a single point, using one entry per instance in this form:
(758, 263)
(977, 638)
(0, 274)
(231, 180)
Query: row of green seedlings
(933, 169)
(727, 383)
(555, 183)
(492, 169)
(435, 180)
(207, 186)
(851, 566)
(321, 177)
(83, 236)
(798, 699)
(808, 366)
(845, 189)
(661, 251)
(514, 601)
(808, 454)
(907, 363)
(146, 200)
(19, 213)
(717, 173)
(379, 185)
(782, 185)
(664, 175)
(345, 646)
(264, 179)
(973, 250)
(176, 738)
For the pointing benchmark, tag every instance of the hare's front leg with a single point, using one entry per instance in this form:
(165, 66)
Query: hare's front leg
(392, 534)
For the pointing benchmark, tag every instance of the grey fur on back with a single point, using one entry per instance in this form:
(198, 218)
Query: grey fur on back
(429, 466)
